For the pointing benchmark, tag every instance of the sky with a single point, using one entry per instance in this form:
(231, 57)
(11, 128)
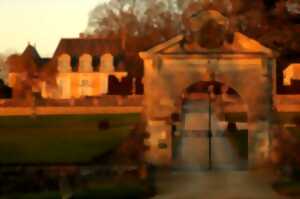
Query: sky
(42, 23)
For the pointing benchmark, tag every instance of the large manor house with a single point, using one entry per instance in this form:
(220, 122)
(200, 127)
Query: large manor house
(80, 67)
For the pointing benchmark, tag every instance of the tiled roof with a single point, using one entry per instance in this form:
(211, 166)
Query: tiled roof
(31, 54)
(75, 47)
(31, 51)
(93, 46)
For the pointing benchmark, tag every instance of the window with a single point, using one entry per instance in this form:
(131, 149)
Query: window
(85, 63)
(85, 87)
(84, 83)
(64, 62)
(107, 63)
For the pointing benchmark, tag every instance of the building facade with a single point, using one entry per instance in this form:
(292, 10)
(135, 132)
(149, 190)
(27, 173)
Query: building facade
(80, 67)
(82, 83)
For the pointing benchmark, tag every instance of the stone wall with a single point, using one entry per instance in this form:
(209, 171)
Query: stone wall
(100, 101)
(83, 110)
(167, 77)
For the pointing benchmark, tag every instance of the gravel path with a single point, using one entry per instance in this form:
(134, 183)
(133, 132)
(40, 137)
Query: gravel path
(215, 185)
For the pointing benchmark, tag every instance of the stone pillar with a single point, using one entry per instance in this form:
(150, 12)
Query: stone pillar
(149, 72)
(159, 142)
(157, 109)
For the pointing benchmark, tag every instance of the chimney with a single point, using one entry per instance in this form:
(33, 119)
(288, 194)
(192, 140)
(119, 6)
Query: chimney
(82, 35)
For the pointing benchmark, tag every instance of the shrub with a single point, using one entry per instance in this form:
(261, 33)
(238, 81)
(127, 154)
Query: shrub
(112, 192)
(285, 152)
(104, 125)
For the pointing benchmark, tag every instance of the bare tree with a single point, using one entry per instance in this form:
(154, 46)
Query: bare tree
(159, 20)
(118, 17)
(130, 18)
(3, 70)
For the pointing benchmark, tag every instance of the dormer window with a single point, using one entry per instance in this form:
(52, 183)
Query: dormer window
(107, 63)
(64, 63)
(85, 63)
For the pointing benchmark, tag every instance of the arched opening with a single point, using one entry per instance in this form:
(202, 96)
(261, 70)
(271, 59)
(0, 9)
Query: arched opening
(211, 129)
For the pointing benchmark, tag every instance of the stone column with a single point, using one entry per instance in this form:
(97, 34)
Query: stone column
(160, 139)
(160, 143)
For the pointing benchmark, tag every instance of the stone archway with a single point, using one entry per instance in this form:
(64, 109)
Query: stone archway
(169, 70)
(214, 106)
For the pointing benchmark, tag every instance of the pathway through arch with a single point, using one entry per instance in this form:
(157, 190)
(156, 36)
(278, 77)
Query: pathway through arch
(215, 185)
(225, 181)
(192, 152)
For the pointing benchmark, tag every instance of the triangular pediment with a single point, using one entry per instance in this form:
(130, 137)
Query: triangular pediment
(240, 44)
(171, 44)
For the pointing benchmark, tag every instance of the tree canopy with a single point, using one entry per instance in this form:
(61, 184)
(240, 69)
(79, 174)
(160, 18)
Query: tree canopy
(272, 22)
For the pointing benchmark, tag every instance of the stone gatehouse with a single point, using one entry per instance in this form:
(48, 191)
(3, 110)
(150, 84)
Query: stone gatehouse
(170, 68)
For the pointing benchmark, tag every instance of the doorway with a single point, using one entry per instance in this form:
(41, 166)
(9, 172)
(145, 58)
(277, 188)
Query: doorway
(211, 135)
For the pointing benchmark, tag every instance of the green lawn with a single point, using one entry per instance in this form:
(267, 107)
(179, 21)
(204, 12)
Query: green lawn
(60, 139)
(105, 191)
(43, 195)
(112, 191)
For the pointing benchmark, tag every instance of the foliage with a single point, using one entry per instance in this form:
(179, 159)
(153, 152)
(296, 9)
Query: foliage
(130, 19)
(108, 191)
(5, 91)
(27, 67)
(3, 67)
(268, 21)
(43, 195)
(132, 149)
(285, 151)
(287, 187)
(104, 125)
(116, 191)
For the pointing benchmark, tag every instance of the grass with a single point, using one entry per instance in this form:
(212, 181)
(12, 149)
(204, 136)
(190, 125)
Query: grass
(112, 191)
(105, 191)
(239, 140)
(43, 195)
(60, 139)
